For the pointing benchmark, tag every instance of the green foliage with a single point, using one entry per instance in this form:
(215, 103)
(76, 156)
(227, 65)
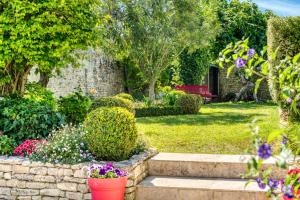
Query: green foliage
(75, 107)
(65, 146)
(293, 135)
(283, 38)
(22, 119)
(7, 145)
(125, 96)
(158, 111)
(241, 19)
(285, 73)
(111, 133)
(46, 34)
(194, 66)
(141, 145)
(113, 102)
(152, 35)
(190, 103)
(38, 93)
(170, 96)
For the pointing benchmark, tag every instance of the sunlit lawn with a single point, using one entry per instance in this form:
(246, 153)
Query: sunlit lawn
(218, 128)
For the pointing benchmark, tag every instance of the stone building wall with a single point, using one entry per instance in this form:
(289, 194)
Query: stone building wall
(26, 180)
(96, 72)
(233, 85)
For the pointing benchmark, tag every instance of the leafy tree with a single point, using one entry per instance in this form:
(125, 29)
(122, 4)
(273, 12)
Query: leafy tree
(194, 66)
(153, 33)
(42, 33)
(241, 19)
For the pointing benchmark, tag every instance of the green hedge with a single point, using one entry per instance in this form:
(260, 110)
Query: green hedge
(158, 111)
(113, 102)
(284, 35)
(190, 103)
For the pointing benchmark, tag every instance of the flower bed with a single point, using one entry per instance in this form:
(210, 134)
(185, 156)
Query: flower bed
(20, 178)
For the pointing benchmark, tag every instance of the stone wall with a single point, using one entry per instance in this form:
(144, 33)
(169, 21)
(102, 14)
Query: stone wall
(96, 72)
(26, 180)
(233, 85)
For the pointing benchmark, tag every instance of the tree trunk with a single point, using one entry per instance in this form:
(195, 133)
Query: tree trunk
(152, 89)
(44, 79)
(18, 79)
(248, 87)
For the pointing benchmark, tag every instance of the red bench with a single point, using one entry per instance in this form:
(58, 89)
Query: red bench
(196, 89)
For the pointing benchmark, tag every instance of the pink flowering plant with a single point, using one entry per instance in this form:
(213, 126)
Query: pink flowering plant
(27, 147)
(105, 171)
(287, 186)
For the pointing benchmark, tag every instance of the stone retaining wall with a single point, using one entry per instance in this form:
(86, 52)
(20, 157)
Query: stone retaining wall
(26, 180)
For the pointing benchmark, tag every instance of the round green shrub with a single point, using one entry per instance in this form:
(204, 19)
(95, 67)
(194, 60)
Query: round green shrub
(65, 146)
(7, 145)
(111, 133)
(190, 103)
(74, 107)
(38, 93)
(22, 119)
(113, 102)
(125, 96)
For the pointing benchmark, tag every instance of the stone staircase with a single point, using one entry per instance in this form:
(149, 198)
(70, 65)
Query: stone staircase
(175, 176)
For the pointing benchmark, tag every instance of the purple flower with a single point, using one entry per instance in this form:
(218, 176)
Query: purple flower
(273, 184)
(288, 191)
(240, 63)
(264, 151)
(284, 140)
(251, 53)
(260, 183)
(289, 100)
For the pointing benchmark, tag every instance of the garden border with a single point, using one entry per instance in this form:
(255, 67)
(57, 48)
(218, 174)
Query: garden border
(21, 178)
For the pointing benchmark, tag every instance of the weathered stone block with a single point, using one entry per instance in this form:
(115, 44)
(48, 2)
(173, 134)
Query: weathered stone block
(80, 174)
(83, 188)
(75, 180)
(36, 185)
(24, 192)
(20, 169)
(67, 186)
(52, 192)
(41, 178)
(68, 172)
(87, 196)
(7, 176)
(2, 183)
(4, 191)
(5, 168)
(25, 177)
(53, 171)
(74, 195)
(24, 197)
(50, 198)
(16, 183)
(36, 198)
(38, 170)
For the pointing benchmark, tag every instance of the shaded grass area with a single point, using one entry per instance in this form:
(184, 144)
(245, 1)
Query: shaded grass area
(221, 128)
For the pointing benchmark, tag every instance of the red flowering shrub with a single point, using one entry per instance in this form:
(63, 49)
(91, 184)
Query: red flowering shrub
(27, 147)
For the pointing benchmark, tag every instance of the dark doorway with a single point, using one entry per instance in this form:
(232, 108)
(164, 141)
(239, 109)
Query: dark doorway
(213, 80)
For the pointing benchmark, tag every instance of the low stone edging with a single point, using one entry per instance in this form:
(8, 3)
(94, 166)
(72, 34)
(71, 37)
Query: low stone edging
(23, 179)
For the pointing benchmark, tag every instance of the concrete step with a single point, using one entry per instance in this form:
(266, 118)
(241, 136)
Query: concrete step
(188, 188)
(203, 165)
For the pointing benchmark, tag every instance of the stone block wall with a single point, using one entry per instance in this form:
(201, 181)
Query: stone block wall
(25, 180)
(96, 72)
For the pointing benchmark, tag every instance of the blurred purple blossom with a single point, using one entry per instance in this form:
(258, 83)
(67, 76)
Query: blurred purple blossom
(264, 151)
(103, 170)
(240, 63)
(289, 100)
(251, 53)
(273, 184)
(260, 183)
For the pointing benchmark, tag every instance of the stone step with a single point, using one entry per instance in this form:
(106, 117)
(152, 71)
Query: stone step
(189, 188)
(203, 165)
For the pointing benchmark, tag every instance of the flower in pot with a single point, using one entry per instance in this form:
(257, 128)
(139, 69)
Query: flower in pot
(291, 185)
(107, 182)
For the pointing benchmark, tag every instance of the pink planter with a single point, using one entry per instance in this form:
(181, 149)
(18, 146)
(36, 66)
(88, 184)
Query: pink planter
(107, 189)
(286, 198)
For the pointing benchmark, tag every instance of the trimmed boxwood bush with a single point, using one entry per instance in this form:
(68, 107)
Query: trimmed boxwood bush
(189, 103)
(113, 102)
(22, 119)
(158, 111)
(75, 107)
(125, 96)
(284, 35)
(111, 133)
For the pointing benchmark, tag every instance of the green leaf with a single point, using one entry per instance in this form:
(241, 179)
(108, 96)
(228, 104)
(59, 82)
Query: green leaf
(274, 135)
(229, 70)
(257, 84)
(296, 58)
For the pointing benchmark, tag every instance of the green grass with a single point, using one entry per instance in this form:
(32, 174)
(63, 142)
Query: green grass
(221, 128)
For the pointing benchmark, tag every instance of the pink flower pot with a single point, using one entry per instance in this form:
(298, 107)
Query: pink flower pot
(107, 189)
(286, 198)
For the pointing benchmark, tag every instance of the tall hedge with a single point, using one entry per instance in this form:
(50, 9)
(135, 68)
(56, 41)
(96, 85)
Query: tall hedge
(284, 35)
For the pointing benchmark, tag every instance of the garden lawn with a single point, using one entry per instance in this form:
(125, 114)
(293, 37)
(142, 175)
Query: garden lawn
(221, 128)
